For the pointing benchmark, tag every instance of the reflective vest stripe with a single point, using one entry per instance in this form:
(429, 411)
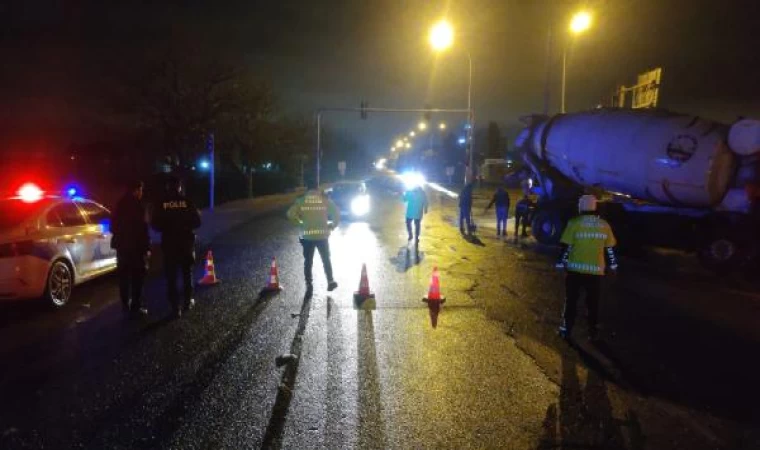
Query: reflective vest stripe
(590, 268)
(590, 235)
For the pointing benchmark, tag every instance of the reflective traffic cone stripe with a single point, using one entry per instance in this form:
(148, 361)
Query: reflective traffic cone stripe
(273, 281)
(209, 277)
(274, 278)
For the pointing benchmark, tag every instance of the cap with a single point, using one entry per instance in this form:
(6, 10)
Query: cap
(587, 203)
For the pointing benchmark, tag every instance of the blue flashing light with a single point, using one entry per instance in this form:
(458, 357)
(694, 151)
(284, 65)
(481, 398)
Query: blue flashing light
(203, 164)
(462, 140)
(105, 225)
(71, 192)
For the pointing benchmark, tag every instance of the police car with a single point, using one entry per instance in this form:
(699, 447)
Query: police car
(49, 244)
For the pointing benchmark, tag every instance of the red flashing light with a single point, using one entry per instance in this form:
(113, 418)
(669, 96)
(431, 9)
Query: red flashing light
(30, 193)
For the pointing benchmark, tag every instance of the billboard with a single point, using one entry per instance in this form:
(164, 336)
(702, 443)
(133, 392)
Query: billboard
(647, 89)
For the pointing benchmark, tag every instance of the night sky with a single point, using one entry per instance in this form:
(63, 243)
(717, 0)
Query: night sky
(336, 53)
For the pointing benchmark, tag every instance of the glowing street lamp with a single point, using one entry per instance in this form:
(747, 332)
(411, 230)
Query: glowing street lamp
(408, 145)
(412, 133)
(422, 126)
(399, 143)
(441, 35)
(580, 22)
(442, 126)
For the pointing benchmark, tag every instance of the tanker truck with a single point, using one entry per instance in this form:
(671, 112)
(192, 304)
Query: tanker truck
(664, 179)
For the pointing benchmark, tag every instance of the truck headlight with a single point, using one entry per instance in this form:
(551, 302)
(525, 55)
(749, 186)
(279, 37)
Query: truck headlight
(360, 205)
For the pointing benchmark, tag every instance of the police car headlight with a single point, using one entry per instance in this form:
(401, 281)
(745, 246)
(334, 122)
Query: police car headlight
(360, 205)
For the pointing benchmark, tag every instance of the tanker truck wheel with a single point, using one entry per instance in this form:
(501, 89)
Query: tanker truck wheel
(547, 226)
(724, 250)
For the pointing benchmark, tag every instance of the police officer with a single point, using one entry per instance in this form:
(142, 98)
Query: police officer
(175, 217)
(317, 216)
(132, 244)
(587, 254)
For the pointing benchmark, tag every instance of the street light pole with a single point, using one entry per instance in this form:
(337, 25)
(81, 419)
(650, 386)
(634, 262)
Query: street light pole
(319, 145)
(212, 170)
(564, 77)
(470, 120)
(547, 81)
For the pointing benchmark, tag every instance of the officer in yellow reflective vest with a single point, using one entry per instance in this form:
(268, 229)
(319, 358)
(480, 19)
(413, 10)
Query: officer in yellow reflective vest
(587, 254)
(317, 216)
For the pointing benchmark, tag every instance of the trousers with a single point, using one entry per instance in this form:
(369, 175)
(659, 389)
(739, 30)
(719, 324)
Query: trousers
(521, 218)
(131, 270)
(502, 212)
(323, 246)
(179, 264)
(591, 285)
(465, 217)
(417, 223)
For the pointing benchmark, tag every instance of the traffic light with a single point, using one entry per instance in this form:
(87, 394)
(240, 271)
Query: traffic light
(427, 114)
(363, 110)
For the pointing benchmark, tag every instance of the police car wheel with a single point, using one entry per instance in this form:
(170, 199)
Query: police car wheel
(60, 282)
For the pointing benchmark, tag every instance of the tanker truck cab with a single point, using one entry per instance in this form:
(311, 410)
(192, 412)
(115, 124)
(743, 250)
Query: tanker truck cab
(664, 179)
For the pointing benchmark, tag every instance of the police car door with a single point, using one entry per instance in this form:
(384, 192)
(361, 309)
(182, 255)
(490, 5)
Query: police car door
(101, 256)
(67, 228)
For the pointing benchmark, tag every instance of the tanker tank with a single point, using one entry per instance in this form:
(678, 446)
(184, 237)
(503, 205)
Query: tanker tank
(657, 156)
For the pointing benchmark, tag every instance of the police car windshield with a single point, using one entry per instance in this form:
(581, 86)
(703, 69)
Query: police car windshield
(14, 211)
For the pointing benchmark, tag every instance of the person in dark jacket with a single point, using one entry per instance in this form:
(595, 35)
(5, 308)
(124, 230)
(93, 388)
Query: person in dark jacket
(132, 244)
(522, 215)
(176, 218)
(465, 208)
(501, 200)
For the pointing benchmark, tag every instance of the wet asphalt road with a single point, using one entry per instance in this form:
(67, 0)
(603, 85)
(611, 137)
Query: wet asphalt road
(678, 368)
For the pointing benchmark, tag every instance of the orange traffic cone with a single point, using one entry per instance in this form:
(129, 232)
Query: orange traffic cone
(363, 298)
(434, 298)
(209, 277)
(273, 282)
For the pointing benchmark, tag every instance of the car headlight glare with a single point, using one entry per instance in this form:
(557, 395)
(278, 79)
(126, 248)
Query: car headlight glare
(360, 205)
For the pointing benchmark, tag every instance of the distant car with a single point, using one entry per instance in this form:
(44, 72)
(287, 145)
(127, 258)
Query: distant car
(49, 244)
(351, 197)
